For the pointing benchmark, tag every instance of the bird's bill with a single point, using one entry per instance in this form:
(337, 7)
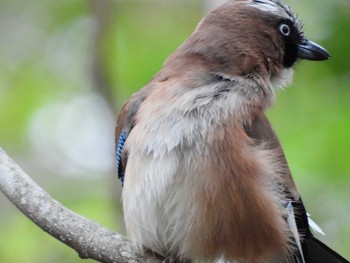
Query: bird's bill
(311, 51)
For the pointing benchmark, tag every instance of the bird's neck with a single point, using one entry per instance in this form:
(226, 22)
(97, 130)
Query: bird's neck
(195, 70)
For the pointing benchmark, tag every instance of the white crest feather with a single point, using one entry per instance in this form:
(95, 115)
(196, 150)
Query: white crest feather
(273, 6)
(266, 6)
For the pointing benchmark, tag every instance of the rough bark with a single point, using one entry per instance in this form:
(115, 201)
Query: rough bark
(88, 238)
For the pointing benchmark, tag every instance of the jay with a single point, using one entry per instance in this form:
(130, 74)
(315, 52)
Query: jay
(204, 175)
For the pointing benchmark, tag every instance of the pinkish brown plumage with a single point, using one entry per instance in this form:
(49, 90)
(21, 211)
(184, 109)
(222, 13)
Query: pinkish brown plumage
(205, 175)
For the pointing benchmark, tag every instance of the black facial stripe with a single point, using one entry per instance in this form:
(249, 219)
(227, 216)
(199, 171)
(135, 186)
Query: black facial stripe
(290, 43)
(290, 54)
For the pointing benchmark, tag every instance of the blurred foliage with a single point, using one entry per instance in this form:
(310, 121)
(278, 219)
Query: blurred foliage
(47, 54)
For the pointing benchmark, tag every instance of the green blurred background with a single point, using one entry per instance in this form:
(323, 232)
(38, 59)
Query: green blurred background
(67, 66)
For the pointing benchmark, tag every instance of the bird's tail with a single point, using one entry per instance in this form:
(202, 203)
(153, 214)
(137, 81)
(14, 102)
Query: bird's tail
(317, 252)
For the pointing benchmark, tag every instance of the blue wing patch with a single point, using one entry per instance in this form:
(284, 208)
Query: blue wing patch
(120, 169)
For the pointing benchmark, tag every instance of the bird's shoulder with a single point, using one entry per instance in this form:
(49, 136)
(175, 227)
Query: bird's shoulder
(125, 123)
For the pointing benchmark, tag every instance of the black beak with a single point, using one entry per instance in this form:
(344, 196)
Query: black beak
(312, 51)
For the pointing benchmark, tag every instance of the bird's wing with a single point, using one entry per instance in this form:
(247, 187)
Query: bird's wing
(312, 250)
(125, 123)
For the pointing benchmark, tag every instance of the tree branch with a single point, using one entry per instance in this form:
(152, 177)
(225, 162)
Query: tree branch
(88, 238)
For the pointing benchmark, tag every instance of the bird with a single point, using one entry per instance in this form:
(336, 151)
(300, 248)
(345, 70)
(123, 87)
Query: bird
(204, 175)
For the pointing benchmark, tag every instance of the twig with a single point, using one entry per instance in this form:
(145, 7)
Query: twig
(88, 238)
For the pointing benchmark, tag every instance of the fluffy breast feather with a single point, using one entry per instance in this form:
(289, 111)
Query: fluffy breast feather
(194, 182)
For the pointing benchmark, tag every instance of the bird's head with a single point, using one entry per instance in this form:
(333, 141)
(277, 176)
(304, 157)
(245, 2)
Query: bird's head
(261, 39)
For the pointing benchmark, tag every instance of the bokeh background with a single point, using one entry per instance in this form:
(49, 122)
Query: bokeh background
(67, 66)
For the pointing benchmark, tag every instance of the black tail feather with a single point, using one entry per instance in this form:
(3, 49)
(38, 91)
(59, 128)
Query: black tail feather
(314, 251)
(317, 252)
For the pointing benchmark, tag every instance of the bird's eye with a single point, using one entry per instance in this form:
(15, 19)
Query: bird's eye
(284, 29)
